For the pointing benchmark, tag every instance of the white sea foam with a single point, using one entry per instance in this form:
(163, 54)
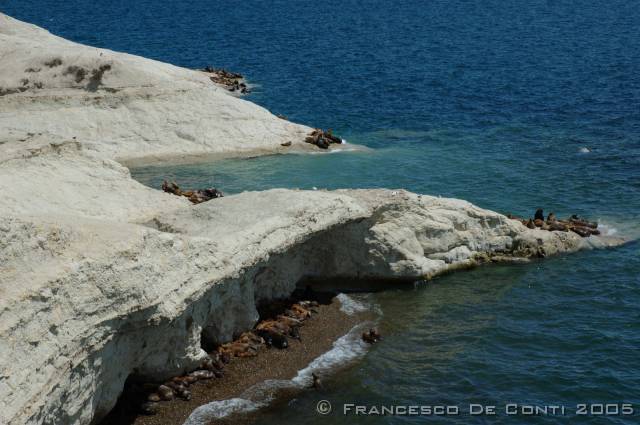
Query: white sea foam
(219, 409)
(607, 229)
(350, 305)
(584, 150)
(345, 349)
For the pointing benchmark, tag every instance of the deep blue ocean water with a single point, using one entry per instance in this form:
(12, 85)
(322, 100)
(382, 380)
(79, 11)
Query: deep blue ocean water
(490, 101)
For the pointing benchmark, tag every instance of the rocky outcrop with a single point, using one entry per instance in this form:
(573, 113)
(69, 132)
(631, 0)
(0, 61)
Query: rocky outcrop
(125, 107)
(90, 302)
(102, 278)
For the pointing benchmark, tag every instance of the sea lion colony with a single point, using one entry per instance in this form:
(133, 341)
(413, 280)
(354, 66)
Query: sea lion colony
(574, 223)
(267, 333)
(322, 139)
(195, 196)
(231, 80)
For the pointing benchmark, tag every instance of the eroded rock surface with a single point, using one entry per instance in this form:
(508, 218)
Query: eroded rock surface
(124, 106)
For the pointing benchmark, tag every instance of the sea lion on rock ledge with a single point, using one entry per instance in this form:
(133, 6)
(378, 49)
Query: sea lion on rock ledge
(539, 214)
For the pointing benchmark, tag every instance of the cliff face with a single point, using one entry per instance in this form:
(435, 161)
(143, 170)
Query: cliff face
(101, 277)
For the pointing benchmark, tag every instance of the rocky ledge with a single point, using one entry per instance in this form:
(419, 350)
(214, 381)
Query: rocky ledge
(102, 278)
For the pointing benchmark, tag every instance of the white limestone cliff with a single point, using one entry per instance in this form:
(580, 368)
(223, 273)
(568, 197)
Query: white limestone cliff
(102, 277)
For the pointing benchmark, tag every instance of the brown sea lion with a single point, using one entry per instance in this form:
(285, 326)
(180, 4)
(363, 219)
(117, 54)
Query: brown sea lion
(273, 338)
(301, 312)
(288, 320)
(556, 225)
(316, 383)
(165, 393)
(530, 224)
(149, 408)
(202, 374)
(224, 357)
(538, 222)
(551, 218)
(374, 333)
(235, 348)
(250, 338)
(185, 380)
(582, 222)
(582, 231)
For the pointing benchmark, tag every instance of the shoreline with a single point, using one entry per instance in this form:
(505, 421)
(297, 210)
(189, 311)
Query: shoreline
(205, 157)
(318, 335)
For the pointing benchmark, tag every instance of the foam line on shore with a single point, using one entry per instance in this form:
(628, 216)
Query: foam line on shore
(350, 305)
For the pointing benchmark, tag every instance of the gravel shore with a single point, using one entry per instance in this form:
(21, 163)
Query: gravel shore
(317, 337)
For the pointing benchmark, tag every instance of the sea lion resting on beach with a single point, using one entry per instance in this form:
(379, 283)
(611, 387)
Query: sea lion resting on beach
(240, 349)
(279, 327)
(273, 338)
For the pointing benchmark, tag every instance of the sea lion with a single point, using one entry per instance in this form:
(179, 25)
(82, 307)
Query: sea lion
(371, 336)
(149, 408)
(165, 393)
(551, 218)
(366, 337)
(316, 383)
(538, 222)
(202, 374)
(225, 357)
(582, 231)
(237, 349)
(374, 333)
(273, 338)
(539, 215)
(288, 320)
(250, 338)
(183, 393)
(301, 312)
(530, 224)
(185, 380)
(295, 333)
(179, 389)
(582, 222)
(556, 225)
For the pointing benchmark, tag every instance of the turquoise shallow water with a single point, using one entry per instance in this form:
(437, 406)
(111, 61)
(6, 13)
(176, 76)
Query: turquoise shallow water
(488, 101)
